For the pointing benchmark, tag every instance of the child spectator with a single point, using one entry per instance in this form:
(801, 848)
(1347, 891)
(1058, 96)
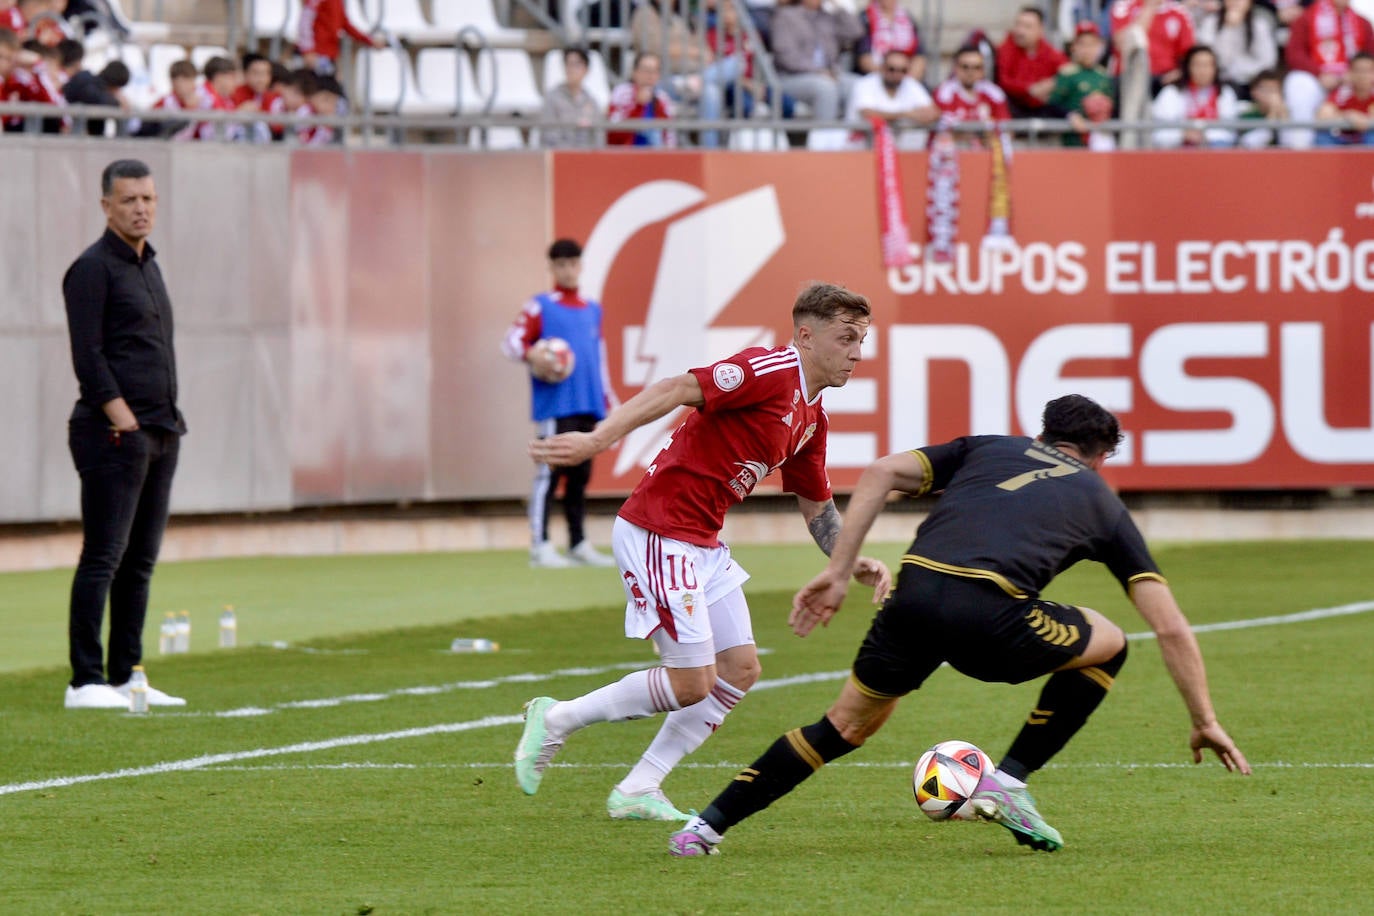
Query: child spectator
(222, 79)
(640, 99)
(1027, 64)
(317, 34)
(1083, 90)
(327, 99)
(968, 97)
(294, 99)
(107, 89)
(569, 111)
(255, 94)
(1266, 104)
(1199, 97)
(1243, 36)
(185, 96)
(1354, 102)
(41, 84)
(1321, 43)
(887, 26)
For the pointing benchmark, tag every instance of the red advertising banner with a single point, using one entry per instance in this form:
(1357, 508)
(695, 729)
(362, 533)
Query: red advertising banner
(1218, 302)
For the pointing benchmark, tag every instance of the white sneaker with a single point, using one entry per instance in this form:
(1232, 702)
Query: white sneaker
(155, 697)
(546, 556)
(95, 696)
(588, 555)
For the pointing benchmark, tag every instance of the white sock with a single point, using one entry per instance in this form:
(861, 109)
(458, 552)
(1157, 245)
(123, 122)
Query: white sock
(635, 696)
(683, 732)
(1010, 782)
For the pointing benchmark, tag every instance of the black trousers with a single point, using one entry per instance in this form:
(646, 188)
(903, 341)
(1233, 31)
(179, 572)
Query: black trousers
(574, 480)
(126, 487)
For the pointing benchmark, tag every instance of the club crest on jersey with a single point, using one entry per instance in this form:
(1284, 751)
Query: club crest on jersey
(727, 376)
(751, 472)
(689, 604)
(806, 436)
(636, 593)
(796, 396)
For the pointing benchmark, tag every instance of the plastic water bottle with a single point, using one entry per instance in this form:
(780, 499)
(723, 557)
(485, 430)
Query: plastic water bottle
(167, 636)
(138, 690)
(182, 634)
(474, 645)
(228, 628)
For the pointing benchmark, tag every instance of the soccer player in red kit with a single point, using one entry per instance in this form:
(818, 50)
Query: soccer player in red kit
(755, 412)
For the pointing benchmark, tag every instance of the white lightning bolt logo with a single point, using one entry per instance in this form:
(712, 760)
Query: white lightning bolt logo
(707, 258)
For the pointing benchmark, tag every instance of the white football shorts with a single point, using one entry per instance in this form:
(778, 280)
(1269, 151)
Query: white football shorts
(689, 593)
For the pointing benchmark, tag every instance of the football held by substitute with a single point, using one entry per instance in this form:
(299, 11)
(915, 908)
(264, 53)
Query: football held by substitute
(754, 412)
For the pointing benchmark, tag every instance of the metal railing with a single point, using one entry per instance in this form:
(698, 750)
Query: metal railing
(360, 127)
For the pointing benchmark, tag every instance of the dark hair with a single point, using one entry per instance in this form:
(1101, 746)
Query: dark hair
(1363, 55)
(577, 52)
(1033, 10)
(1082, 423)
(122, 168)
(645, 55)
(826, 302)
(304, 80)
(1250, 14)
(115, 75)
(71, 51)
(182, 69)
(1185, 65)
(217, 65)
(327, 84)
(564, 248)
(279, 73)
(1264, 76)
(251, 58)
(968, 49)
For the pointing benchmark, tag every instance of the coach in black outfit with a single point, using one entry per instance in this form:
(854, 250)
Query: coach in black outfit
(124, 433)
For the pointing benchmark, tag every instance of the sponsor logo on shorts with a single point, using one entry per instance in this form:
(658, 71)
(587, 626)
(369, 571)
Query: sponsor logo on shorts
(727, 376)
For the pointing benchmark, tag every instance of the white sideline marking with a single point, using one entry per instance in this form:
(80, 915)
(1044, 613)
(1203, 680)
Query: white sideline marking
(1321, 613)
(307, 747)
(723, 765)
(195, 763)
(1342, 610)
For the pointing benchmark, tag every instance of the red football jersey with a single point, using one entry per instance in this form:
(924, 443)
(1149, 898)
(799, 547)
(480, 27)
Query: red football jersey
(984, 102)
(755, 419)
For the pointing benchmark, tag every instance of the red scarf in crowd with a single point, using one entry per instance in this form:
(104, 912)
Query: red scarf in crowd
(895, 33)
(942, 193)
(1200, 104)
(896, 235)
(1335, 36)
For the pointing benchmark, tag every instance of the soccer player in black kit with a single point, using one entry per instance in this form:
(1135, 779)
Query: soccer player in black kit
(1014, 513)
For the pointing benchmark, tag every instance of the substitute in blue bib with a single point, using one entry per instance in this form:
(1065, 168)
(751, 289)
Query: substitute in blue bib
(558, 336)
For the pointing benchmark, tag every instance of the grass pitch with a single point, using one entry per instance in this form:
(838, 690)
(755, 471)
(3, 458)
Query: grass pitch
(363, 768)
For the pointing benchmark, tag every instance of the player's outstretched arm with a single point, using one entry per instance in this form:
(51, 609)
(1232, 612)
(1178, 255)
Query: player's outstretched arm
(819, 599)
(658, 400)
(1183, 658)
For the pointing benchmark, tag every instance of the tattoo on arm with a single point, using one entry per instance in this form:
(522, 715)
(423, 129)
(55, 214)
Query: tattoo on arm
(825, 527)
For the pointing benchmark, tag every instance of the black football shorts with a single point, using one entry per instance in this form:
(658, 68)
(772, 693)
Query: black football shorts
(983, 632)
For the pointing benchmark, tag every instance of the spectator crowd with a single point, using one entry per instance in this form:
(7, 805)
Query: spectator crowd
(1179, 64)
